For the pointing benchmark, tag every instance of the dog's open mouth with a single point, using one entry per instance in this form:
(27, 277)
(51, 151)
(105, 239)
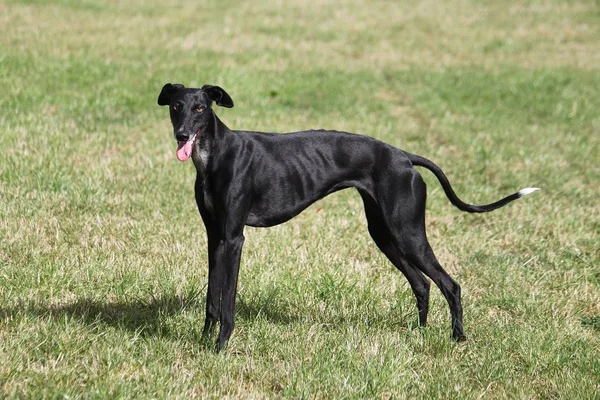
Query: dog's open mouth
(184, 149)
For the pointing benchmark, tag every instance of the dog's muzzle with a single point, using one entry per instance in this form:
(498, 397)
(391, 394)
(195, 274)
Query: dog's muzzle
(185, 147)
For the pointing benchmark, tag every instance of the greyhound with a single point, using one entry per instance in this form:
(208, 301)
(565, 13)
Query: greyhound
(264, 179)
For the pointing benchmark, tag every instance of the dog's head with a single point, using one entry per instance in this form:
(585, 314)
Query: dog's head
(191, 112)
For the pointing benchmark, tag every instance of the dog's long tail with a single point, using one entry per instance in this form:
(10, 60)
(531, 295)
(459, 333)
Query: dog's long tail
(461, 205)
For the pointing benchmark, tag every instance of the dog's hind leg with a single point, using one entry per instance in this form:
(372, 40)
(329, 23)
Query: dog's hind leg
(381, 235)
(404, 212)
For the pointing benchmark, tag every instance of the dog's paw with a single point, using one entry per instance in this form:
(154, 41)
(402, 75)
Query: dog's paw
(459, 337)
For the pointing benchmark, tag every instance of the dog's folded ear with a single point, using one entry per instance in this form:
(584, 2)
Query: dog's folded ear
(218, 95)
(167, 92)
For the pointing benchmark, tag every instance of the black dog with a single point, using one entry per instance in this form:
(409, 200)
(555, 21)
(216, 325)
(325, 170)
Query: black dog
(263, 179)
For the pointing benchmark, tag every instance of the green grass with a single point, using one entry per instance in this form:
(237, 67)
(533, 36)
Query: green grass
(103, 254)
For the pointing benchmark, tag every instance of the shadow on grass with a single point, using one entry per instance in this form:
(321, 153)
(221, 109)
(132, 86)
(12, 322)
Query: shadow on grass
(150, 317)
(250, 309)
(146, 317)
(592, 322)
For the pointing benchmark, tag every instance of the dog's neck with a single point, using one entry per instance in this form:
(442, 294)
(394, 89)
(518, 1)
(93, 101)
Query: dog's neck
(201, 154)
(204, 146)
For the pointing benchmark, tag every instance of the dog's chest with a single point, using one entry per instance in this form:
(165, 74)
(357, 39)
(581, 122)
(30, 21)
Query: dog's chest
(200, 157)
(204, 195)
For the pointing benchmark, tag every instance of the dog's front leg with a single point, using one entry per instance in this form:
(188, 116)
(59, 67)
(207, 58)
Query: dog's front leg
(225, 230)
(213, 292)
(215, 274)
(228, 254)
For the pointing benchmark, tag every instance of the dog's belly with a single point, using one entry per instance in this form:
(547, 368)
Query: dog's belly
(271, 219)
(281, 207)
(274, 217)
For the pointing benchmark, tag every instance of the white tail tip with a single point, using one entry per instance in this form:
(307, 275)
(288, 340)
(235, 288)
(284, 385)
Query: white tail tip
(526, 191)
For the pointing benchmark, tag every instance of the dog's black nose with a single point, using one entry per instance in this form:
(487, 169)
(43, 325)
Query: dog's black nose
(182, 137)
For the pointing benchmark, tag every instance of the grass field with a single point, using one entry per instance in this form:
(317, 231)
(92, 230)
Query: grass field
(102, 252)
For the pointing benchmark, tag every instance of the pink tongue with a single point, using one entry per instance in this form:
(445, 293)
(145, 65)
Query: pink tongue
(184, 149)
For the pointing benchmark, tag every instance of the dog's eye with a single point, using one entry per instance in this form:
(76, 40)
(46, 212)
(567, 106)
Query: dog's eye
(176, 107)
(200, 109)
